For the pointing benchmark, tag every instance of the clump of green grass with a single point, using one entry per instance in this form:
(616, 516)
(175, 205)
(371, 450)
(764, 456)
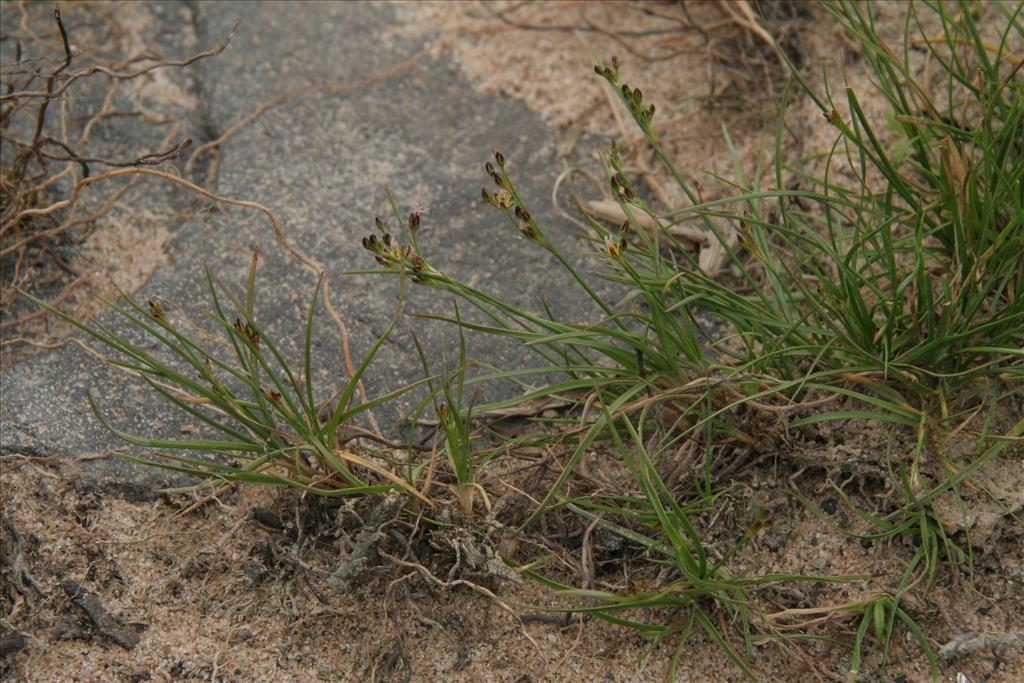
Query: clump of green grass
(271, 429)
(891, 283)
(455, 422)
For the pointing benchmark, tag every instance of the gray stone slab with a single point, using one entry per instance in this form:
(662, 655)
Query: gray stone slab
(321, 162)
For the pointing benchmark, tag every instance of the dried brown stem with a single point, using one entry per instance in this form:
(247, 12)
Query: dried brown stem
(21, 159)
(152, 159)
(72, 77)
(106, 623)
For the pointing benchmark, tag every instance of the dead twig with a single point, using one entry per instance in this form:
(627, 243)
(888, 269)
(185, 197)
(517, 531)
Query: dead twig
(964, 644)
(152, 159)
(106, 623)
(12, 642)
(742, 14)
(72, 77)
(28, 178)
(19, 162)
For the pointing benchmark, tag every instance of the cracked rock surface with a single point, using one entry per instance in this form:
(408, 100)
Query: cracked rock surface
(320, 161)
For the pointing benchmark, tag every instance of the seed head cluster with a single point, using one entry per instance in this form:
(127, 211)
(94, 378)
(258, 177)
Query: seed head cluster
(401, 258)
(633, 97)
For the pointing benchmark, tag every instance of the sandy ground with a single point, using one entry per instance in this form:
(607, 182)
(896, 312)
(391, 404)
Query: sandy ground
(237, 591)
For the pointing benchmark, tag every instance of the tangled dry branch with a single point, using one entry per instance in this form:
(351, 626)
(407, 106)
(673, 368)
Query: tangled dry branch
(34, 227)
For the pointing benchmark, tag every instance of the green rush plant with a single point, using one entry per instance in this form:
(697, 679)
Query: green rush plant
(271, 429)
(701, 591)
(889, 279)
(455, 424)
(878, 617)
